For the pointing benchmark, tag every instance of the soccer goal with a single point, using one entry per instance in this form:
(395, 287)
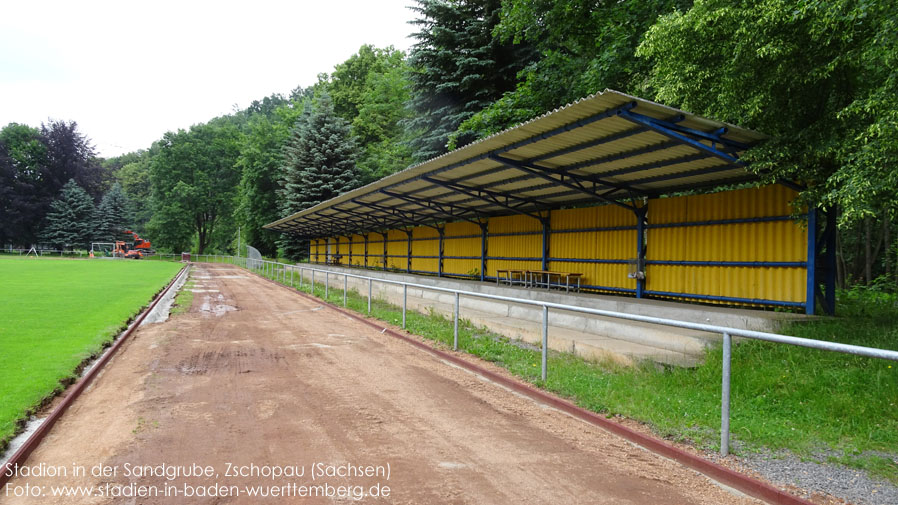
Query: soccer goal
(102, 249)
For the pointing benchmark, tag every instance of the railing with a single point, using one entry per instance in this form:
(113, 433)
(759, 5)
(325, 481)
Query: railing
(276, 271)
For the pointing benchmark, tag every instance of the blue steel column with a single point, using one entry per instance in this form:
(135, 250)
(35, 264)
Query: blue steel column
(366, 250)
(408, 262)
(384, 235)
(830, 258)
(810, 301)
(349, 238)
(640, 248)
(483, 232)
(442, 231)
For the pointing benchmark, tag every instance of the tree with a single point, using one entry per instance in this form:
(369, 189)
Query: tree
(458, 68)
(25, 199)
(319, 163)
(816, 76)
(70, 155)
(259, 162)
(113, 214)
(38, 163)
(370, 91)
(134, 179)
(584, 47)
(71, 220)
(193, 184)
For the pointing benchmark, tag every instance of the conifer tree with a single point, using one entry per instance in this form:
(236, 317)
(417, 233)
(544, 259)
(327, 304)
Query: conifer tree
(319, 164)
(113, 214)
(71, 219)
(458, 68)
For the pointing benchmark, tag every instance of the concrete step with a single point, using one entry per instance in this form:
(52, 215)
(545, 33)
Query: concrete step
(587, 335)
(593, 337)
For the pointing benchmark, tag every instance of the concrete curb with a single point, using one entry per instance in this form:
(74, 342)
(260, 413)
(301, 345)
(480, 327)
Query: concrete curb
(740, 482)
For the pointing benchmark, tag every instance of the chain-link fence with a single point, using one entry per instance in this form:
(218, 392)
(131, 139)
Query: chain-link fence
(253, 257)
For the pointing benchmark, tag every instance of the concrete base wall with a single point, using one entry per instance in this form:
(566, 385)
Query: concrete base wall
(590, 336)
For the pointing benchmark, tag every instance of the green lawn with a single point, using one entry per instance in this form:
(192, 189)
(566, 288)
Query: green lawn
(54, 313)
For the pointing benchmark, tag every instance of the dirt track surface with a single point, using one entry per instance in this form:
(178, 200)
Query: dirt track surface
(284, 382)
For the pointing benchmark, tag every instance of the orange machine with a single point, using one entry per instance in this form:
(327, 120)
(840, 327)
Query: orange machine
(133, 250)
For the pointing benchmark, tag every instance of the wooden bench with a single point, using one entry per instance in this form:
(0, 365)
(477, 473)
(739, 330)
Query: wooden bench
(512, 277)
(334, 259)
(539, 278)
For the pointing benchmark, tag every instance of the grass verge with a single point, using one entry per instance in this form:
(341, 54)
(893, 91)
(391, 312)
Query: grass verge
(812, 403)
(55, 314)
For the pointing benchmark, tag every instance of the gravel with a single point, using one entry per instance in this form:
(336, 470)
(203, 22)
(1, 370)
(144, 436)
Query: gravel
(850, 484)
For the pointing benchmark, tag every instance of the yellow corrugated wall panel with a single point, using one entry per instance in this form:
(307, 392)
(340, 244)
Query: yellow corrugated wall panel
(774, 241)
(591, 217)
(375, 250)
(461, 247)
(397, 250)
(608, 245)
(357, 248)
(514, 246)
(429, 246)
(343, 249)
(317, 250)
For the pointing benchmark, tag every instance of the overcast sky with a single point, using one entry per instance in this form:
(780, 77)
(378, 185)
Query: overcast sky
(129, 71)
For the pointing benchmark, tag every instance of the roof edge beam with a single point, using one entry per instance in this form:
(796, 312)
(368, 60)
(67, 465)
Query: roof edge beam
(561, 175)
(492, 197)
(438, 207)
(681, 134)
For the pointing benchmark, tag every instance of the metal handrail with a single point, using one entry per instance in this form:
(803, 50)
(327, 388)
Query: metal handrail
(270, 267)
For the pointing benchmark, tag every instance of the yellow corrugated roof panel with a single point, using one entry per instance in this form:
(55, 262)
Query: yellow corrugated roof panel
(607, 146)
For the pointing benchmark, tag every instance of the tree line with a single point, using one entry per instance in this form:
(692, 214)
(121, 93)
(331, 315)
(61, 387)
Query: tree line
(819, 77)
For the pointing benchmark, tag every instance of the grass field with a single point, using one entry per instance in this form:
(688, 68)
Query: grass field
(54, 313)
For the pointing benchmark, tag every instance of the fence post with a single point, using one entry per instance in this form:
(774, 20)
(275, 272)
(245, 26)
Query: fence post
(455, 338)
(327, 283)
(369, 295)
(312, 287)
(725, 397)
(545, 342)
(301, 280)
(292, 271)
(344, 285)
(404, 303)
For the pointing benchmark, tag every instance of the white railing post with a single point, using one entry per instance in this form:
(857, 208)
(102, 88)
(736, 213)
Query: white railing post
(725, 396)
(545, 357)
(455, 338)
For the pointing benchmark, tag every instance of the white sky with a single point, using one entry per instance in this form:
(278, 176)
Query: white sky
(129, 71)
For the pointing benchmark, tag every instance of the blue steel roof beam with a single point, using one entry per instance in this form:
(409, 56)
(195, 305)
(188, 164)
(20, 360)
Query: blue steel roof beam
(712, 136)
(685, 135)
(305, 225)
(591, 143)
(334, 228)
(374, 223)
(603, 140)
(608, 113)
(689, 173)
(660, 146)
(359, 219)
(562, 178)
(589, 163)
(704, 185)
(492, 197)
(604, 175)
(430, 202)
(454, 212)
(408, 217)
